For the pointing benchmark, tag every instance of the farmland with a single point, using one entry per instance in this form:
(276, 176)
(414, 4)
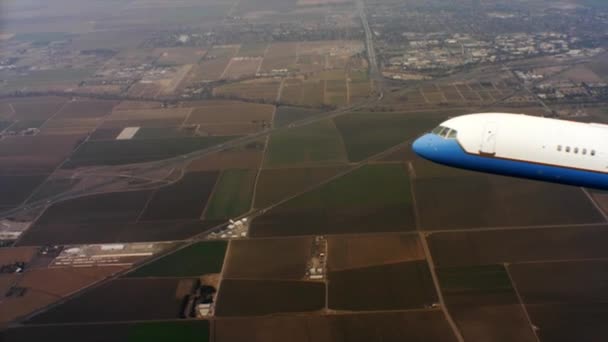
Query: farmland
(366, 134)
(120, 300)
(256, 259)
(367, 288)
(389, 326)
(162, 205)
(198, 259)
(519, 245)
(260, 297)
(179, 331)
(348, 252)
(134, 134)
(232, 195)
(316, 143)
(116, 152)
(485, 294)
(371, 199)
(277, 184)
(441, 188)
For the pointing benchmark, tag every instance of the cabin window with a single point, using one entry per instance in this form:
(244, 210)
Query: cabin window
(559, 148)
(592, 152)
(452, 134)
(576, 150)
(584, 151)
(568, 149)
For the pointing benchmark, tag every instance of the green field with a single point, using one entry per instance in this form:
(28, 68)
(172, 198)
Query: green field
(232, 195)
(115, 152)
(371, 185)
(254, 49)
(374, 198)
(316, 143)
(366, 134)
(42, 78)
(181, 331)
(41, 38)
(198, 259)
(485, 278)
(286, 115)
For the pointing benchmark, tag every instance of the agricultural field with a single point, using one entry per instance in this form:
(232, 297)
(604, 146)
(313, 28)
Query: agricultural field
(230, 117)
(38, 108)
(258, 89)
(122, 300)
(194, 260)
(232, 194)
(278, 184)
(48, 285)
(351, 252)
(258, 258)
(179, 56)
(264, 297)
(392, 286)
(456, 249)
(246, 157)
(280, 56)
(287, 114)
(35, 154)
(374, 198)
(366, 134)
(85, 109)
(484, 295)
(438, 191)
(110, 207)
(16, 189)
(193, 191)
(303, 93)
(427, 325)
(316, 143)
(116, 152)
(242, 67)
(178, 331)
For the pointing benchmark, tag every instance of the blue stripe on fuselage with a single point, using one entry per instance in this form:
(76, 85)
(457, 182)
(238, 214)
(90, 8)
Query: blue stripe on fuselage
(449, 152)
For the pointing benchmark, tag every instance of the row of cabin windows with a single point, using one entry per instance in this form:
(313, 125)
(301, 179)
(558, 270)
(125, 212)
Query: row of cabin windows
(575, 150)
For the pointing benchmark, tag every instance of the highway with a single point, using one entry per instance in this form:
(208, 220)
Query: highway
(374, 72)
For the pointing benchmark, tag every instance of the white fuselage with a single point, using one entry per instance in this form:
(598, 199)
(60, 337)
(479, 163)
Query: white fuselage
(522, 146)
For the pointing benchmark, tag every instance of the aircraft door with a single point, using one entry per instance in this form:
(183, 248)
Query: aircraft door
(488, 139)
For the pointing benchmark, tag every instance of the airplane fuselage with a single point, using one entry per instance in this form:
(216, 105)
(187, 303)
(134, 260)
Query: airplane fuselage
(523, 146)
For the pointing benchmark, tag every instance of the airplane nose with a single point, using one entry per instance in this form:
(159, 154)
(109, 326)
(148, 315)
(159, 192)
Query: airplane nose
(423, 146)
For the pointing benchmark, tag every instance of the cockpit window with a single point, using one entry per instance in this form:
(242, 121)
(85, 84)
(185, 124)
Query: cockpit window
(437, 130)
(452, 134)
(445, 132)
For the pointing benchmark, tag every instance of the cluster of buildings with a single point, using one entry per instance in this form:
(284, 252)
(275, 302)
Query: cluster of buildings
(317, 263)
(235, 229)
(437, 53)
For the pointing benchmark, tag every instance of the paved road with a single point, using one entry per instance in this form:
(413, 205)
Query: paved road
(374, 71)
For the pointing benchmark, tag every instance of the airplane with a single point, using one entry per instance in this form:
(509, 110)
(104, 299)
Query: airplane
(523, 146)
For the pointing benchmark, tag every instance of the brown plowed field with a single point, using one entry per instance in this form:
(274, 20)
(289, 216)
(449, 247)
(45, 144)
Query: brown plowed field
(268, 258)
(277, 184)
(428, 326)
(193, 192)
(261, 297)
(406, 285)
(347, 252)
(447, 199)
(86, 109)
(121, 300)
(518, 245)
